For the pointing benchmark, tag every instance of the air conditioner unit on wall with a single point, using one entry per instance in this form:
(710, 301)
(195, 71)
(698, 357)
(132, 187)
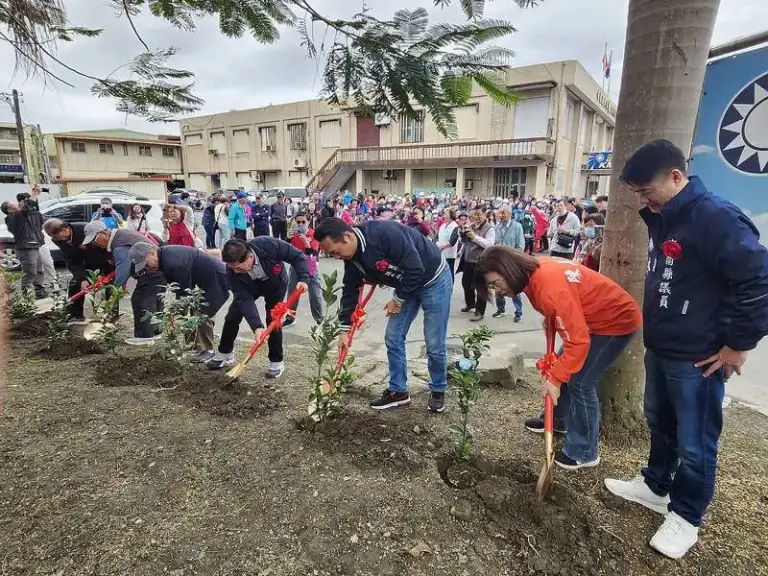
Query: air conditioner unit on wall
(469, 184)
(381, 119)
(213, 152)
(270, 148)
(300, 163)
(388, 174)
(257, 176)
(301, 145)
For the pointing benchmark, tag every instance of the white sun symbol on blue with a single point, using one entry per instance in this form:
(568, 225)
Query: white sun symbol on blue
(743, 132)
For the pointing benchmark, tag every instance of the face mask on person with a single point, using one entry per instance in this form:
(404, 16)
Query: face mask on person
(302, 228)
(562, 212)
(589, 232)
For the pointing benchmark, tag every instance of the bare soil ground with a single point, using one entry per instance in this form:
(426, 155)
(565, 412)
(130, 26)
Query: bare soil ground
(111, 467)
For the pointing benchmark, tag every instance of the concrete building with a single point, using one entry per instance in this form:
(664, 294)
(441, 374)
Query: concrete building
(146, 164)
(11, 169)
(541, 145)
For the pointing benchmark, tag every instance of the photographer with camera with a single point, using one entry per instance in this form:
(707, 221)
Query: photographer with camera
(475, 239)
(111, 217)
(25, 223)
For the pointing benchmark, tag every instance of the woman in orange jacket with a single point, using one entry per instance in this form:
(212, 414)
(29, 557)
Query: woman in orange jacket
(595, 318)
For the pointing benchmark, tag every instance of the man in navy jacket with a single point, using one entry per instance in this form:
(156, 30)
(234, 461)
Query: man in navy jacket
(387, 253)
(705, 308)
(189, 268)
(256, 269)
(260, 216)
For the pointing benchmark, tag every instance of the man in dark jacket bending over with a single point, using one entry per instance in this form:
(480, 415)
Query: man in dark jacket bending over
(189, 268)
(387, 253)
(256, 269)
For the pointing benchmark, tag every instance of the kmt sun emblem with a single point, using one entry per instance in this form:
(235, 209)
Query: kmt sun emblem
(743, 132)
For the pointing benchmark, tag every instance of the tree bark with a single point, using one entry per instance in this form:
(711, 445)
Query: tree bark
(665, 58)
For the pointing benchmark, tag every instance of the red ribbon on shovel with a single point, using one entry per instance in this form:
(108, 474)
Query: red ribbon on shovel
(100, 281)
(356, 322)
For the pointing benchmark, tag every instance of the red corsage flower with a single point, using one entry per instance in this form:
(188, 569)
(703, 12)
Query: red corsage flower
(672, 249)
(382, 265)
(276, 269)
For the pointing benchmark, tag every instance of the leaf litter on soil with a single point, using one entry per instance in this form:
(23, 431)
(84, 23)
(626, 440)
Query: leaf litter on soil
(133, 480)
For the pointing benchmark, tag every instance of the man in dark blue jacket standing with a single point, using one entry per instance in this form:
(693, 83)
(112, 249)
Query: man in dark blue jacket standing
(705, 308)
(189, 268)
(260, 216)
(387, 253)
(256, 269)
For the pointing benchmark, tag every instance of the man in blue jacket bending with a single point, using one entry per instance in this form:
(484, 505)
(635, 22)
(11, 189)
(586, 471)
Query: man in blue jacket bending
(387, 253)
(705, 308)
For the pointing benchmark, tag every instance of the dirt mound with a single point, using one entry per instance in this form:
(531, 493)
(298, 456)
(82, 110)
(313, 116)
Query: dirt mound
(67, 349)
(376, 440)
(35, 327)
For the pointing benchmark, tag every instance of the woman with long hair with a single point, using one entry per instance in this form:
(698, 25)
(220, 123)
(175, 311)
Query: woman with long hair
(177, 231)
(595, 318)
(137, 219)
(417, 221)
(448, 239)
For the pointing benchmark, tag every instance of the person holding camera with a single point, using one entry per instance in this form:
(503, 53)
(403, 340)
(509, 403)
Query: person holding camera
(563, 230)
(25, 223)
(111, 217)
(475, 239)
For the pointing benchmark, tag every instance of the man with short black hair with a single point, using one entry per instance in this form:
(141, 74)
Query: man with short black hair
(107, 214)
(25, 223)
(260, 217)
(387, 253)
(705, 307)
(602, 204)
(278, 216)
(256, 269)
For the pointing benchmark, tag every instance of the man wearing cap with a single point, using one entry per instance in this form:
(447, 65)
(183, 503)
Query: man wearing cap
(256, 269)
(260, 217)
(238, 221)
(278, 214)
(148, 287)
(189, 268)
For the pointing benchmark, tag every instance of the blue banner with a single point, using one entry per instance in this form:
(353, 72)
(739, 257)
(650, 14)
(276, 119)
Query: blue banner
(730, 148)
(599, 161)
(11, 169)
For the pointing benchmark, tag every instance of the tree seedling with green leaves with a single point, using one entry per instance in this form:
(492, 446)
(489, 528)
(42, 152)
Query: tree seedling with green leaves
(466, 378)
(329, 381)
(58, 318)
(104, 329)
(21, 302)
(181, 317)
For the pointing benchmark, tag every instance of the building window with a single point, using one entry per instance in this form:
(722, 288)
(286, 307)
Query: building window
(77, 147)
(568, 119)
(193, 140)
(268, 138)
(125, 149)
(8, 134)
(509, 182)
(219, 142)
(145, 150)
(298, 134)
(330, 133)
(106, 148)
(8, 159)
(412, 129)
(241, 140)
(169, 152)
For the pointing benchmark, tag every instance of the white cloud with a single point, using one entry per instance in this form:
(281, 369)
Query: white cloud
(702, 149)
(237, 74)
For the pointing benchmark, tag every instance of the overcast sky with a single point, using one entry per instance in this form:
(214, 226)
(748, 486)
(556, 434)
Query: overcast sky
(239, 74)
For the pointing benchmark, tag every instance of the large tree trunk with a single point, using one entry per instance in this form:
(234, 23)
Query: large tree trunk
(664, 63)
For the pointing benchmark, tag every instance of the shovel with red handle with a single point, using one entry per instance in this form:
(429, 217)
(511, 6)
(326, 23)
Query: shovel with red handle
(356, 321)
(278, 315)
(544, 365)
(101, 281)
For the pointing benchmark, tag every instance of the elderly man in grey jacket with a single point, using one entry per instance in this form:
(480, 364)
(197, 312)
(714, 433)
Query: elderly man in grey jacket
(510, 233)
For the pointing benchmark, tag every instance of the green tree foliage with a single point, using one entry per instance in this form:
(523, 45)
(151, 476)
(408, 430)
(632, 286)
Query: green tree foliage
(377, 65)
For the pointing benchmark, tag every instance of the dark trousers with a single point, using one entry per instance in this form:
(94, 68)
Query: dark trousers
(210, 237)
(684, 411)
(529, 245)
(145, 300)
(468, 283)
(234, 317)
(451, 262)
(241, 234)
(280, 229)
(260, 228)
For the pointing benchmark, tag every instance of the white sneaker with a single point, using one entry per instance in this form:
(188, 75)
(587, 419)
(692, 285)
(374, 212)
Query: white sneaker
(675, 537)
(275, 369)
(637, 491)
(221, 360)
(142, 341)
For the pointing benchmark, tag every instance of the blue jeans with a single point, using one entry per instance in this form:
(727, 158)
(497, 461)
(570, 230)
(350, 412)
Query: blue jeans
(315, 294)
(435, 300)
(501, 305)
(684, 411)
(578, 407)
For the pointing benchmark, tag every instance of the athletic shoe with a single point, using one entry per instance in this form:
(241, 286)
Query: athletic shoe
(81, 321)
(567, 463)
(536, 425)
(499, 314)
(675, 537)
(436, 402)
(142, 341)
(275, 369)
(391, 399)
(637, 491)
(476, 317)
(518, 318)
(221, 360)
(467, 309)
(202, 357)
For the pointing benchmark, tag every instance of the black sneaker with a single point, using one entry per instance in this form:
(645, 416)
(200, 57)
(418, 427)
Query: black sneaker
(570, 464)
(391, 400)
(500, 314)
(536, 425)
(467, 309)
(476, 317)
(436, 402)
(518, 318)
(290, 321)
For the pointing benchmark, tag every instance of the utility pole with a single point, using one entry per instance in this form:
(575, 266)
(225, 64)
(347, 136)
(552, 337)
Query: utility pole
(20, 130)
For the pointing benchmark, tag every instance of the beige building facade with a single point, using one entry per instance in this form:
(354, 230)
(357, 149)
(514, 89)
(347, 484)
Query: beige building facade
(11, 169)
(146, 164)
(539, 146)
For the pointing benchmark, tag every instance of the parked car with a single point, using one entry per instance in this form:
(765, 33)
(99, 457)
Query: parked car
(196, 198)
(295, 194)
(80, 208)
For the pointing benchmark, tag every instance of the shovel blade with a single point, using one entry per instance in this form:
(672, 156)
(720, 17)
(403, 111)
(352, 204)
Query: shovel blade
(91, 330)
(545, 478)
(236, 372)
(43, 306)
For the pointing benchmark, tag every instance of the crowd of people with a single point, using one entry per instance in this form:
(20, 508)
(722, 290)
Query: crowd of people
(705, 305)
